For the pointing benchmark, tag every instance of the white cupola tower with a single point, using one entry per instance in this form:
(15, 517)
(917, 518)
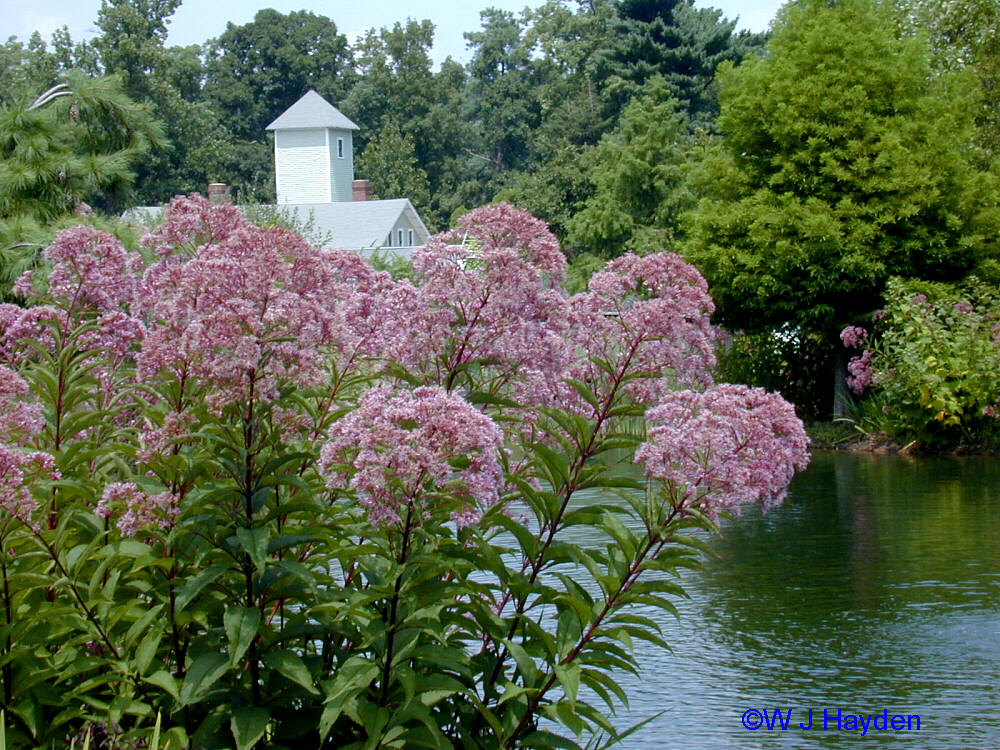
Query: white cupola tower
(313, 152)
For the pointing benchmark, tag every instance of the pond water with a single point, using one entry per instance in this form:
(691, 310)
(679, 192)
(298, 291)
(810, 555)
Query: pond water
(875, 587)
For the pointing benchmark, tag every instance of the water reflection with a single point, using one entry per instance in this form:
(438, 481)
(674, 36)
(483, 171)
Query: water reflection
(875, 586)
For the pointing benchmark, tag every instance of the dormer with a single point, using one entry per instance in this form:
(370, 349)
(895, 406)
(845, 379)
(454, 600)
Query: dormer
(313, 152)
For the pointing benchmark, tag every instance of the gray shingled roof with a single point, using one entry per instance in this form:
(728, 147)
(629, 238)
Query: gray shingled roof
(312, 111)
(357, 225)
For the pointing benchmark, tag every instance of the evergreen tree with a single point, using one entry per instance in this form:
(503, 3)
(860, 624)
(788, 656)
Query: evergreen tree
(639, 179)
(76, 142)
(674, 40)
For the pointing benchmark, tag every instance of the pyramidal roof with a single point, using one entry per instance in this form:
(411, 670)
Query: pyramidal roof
(312, 111)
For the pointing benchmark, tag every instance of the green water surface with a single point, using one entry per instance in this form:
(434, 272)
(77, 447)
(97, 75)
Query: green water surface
(874, 588)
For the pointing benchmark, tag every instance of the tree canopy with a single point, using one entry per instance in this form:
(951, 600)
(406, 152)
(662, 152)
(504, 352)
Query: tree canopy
(845, 160)
(78, 141)
(639, 178)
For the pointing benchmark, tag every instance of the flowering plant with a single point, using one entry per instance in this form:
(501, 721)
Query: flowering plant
(274, 498)
(932, 359)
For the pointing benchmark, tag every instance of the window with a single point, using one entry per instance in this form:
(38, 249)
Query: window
(400, 235)
(409, 237)
(388, 241)
(340, 148)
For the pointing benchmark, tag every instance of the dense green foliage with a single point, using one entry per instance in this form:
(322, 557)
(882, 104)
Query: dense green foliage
(859, 147)
(539, 87)
(934, 365)
(639, 178)
(389, 162)
(844, 161)
(75, 142)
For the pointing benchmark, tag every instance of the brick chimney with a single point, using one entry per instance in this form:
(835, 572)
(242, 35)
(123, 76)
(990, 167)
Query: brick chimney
(361, 190)
(218, 192)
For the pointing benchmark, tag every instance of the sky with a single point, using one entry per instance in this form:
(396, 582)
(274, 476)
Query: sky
(196, 21)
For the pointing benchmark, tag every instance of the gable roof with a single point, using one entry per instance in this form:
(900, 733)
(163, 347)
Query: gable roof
(359, 225)
(312, 111)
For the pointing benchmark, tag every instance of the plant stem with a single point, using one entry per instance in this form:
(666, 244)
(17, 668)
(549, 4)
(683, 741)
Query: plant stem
(394, 604)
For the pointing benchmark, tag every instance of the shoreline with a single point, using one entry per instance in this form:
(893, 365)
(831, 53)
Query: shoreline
(844, 437)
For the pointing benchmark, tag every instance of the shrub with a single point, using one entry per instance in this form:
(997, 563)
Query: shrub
(933, 362)
(276, 498)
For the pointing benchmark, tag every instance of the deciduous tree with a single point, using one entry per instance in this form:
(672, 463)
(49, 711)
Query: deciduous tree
(844, 161)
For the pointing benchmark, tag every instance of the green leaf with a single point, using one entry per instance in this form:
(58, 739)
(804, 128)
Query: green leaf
(192, 588)
(291, 666)
(241, 625)
(568, 632)
(254, 543)
(147, 650)
(166, 681)
(204, 673)
(248, 725)
(569, 678)
(353, 676)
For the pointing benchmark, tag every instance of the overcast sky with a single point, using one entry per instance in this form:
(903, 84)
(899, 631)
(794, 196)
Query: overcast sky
(199, 20)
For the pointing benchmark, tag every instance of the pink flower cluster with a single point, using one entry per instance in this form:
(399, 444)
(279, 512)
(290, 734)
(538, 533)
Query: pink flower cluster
(723, 447)
(90, 271)
(192, 222)
(398, 448)
(252, 308)
(138, 509)
(20, 421)
(854, 337)
(19, 471)
(861, 373)
(486, 295)
(92, 277)
(650, 315)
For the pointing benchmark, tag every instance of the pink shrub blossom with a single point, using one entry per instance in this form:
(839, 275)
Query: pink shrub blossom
(485, 294)
(92, 278)
(19, 470)
(861, 373)
(650, 315)
(91, 271)
(724, 447)
(192, 221)
(399, 448)
(231, 318)
(20, 420)
(137, 508)
(854, 337)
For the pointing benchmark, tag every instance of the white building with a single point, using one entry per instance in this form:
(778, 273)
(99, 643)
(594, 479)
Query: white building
(314, 175)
